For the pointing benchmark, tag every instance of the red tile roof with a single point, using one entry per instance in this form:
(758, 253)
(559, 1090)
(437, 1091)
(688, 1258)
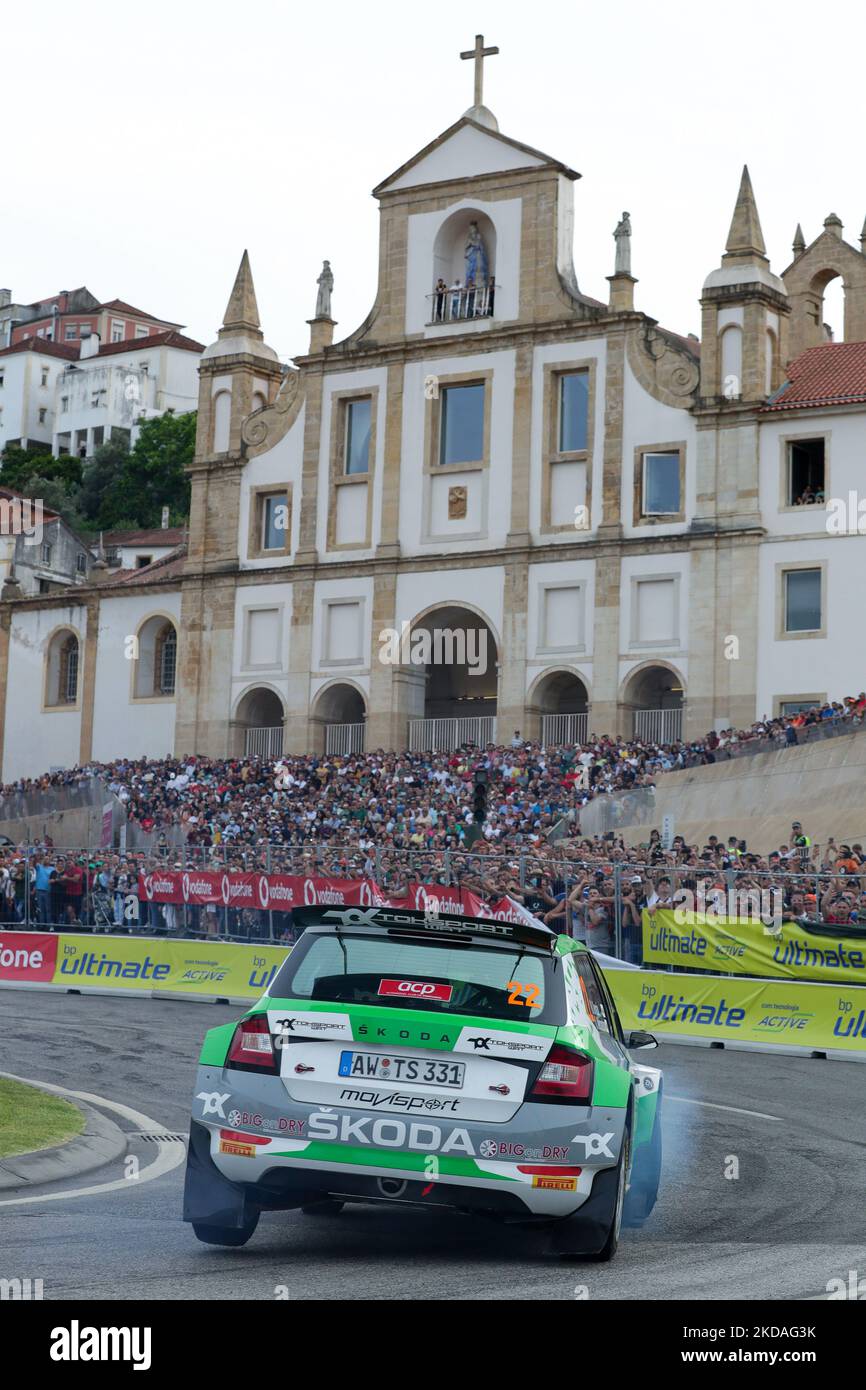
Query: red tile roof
(168, 338)
(46, 346)
(830, 374)
(119, 306)
(155, 535)
(169, 566)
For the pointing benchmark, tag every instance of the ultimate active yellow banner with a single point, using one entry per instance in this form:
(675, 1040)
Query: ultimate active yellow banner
(819, 1017)
(741, 947)
(222, 968)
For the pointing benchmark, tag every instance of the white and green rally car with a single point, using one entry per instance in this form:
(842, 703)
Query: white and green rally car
(432, 1061)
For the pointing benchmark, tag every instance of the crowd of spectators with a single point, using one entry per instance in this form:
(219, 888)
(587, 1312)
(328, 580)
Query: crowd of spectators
(408, 817)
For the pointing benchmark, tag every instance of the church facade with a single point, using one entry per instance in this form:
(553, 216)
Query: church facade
(499, 504)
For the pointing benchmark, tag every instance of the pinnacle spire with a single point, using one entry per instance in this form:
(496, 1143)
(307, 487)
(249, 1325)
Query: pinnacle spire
(242, 311)
(799, 241)
(745, 238)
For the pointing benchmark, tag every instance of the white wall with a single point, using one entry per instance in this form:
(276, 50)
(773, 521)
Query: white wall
(36, 739)
(279, 467)
(122, 726)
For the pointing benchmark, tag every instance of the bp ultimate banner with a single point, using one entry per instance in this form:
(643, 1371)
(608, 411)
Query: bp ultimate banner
(739, 947)
(821, 1018)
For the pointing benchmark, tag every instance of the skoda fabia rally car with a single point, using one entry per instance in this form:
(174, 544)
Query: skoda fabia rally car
(403, 1057)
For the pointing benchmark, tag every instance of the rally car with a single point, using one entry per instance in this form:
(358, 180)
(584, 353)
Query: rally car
(404, 1057)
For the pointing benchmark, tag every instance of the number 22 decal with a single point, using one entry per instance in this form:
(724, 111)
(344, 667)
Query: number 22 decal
(531, 993)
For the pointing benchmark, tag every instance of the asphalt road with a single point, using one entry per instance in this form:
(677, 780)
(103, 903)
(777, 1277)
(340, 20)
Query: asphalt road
(792, 1129)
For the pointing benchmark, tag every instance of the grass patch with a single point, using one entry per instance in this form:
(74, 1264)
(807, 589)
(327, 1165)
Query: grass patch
(31, 1119)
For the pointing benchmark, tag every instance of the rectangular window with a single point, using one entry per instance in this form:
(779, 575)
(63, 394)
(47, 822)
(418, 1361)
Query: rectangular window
(661, 484)
(81, 563)
(44, 381)
(64, 402)
(358, 417)
(573, 411)
(70, 332)
(461, 435)
(275, 512)
(46, 553)
(805, 472)
(791, 707)
(803, 601)
(117, 331)
(140, 331)
(42, 414)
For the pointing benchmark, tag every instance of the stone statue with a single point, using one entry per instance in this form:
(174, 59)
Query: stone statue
(622, 237)
(325, 283)
(476, 259)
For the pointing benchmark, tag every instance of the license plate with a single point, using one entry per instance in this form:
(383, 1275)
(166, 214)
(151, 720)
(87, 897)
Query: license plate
(420, 1071)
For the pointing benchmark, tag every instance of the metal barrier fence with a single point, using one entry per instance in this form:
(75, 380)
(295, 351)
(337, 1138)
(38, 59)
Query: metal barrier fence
(596, 900)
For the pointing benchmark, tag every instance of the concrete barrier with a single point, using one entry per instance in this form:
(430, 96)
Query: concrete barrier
(821, 784)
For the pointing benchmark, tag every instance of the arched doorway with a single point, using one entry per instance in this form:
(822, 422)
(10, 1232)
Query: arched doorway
(558, 708)
(339, 719)
(258, 724)
(655, 697)
(459, 654)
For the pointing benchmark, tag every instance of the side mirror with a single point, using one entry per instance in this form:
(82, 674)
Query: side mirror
(639, 1039)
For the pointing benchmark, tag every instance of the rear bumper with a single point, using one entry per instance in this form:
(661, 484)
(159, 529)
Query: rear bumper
(278, 1153)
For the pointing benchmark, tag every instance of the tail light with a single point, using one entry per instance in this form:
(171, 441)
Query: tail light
(566, 1075)
(252, 1045)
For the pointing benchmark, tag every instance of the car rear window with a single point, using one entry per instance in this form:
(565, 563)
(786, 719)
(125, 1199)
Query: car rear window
(483, 981)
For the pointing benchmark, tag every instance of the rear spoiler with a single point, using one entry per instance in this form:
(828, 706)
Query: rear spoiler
(400, 919)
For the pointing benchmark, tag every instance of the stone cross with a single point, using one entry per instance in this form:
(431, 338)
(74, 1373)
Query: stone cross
(479, 53)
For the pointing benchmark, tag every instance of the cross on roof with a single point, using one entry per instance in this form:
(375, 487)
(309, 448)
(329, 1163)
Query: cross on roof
(479, 53)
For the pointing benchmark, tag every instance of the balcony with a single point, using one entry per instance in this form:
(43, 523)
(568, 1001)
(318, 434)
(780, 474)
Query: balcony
(460, 305)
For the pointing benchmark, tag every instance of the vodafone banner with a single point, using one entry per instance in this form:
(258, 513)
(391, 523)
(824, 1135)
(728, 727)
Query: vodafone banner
(282, 892)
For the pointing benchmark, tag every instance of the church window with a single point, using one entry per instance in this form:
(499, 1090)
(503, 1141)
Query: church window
(662, 494)
(805, 482)
(573, 411)
(461, 435)
(802, 589)
(357, 442)
(165, 663)
(61, 675)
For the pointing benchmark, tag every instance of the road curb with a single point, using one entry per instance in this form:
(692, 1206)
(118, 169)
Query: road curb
(101, 1142)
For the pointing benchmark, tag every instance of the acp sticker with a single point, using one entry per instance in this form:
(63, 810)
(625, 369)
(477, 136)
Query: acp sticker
(416, 989)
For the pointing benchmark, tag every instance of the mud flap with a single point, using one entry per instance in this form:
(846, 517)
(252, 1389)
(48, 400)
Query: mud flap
(208, 1197)
(589, 1227)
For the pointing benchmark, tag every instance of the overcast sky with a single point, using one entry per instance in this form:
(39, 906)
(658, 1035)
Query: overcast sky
(145, 147)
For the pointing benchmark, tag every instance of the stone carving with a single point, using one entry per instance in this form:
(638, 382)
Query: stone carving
(457, 503)
(325, 283)
(622, 237)
(664, 368)
(265, 427)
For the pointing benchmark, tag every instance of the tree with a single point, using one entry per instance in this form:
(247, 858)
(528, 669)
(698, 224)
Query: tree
(155, 476)
(101, 491)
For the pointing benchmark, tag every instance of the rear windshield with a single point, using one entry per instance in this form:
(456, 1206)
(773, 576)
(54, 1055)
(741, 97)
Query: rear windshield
(488, 982)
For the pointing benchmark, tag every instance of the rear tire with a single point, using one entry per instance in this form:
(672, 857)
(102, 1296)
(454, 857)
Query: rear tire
(566, 1240)
(329, 1206)
(225, 1235)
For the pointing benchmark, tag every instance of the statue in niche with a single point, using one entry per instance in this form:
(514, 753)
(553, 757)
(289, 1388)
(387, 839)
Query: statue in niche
(475, 256)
